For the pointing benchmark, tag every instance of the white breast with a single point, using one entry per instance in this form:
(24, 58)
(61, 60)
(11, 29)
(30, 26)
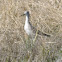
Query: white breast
(27, 28)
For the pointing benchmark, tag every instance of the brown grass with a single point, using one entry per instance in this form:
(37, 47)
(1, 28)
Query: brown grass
(15, 46)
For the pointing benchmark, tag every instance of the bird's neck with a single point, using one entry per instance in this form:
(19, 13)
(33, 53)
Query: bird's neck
(27, 19)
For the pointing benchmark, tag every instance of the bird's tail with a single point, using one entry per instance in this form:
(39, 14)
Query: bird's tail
(46, 35)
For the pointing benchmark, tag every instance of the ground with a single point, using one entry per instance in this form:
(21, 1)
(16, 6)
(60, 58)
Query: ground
(15, 44)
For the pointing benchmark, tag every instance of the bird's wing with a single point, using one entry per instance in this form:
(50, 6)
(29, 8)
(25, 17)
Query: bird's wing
(38, 32)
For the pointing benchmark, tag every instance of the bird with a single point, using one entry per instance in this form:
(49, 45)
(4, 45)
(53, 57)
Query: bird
(29, 29)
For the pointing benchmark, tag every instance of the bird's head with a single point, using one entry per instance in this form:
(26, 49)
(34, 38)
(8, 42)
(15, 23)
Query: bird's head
(25, 13)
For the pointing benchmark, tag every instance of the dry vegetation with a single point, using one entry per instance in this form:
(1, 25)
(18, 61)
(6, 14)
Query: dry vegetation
(15, 46)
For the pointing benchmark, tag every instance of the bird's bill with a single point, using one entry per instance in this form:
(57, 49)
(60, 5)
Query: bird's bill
(22, 14)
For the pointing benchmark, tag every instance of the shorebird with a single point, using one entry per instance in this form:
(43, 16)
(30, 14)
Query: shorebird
(29, 29)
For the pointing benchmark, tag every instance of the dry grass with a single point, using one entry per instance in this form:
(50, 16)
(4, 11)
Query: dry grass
(15, 46)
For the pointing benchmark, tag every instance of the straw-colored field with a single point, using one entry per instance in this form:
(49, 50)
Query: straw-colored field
(46, 16)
